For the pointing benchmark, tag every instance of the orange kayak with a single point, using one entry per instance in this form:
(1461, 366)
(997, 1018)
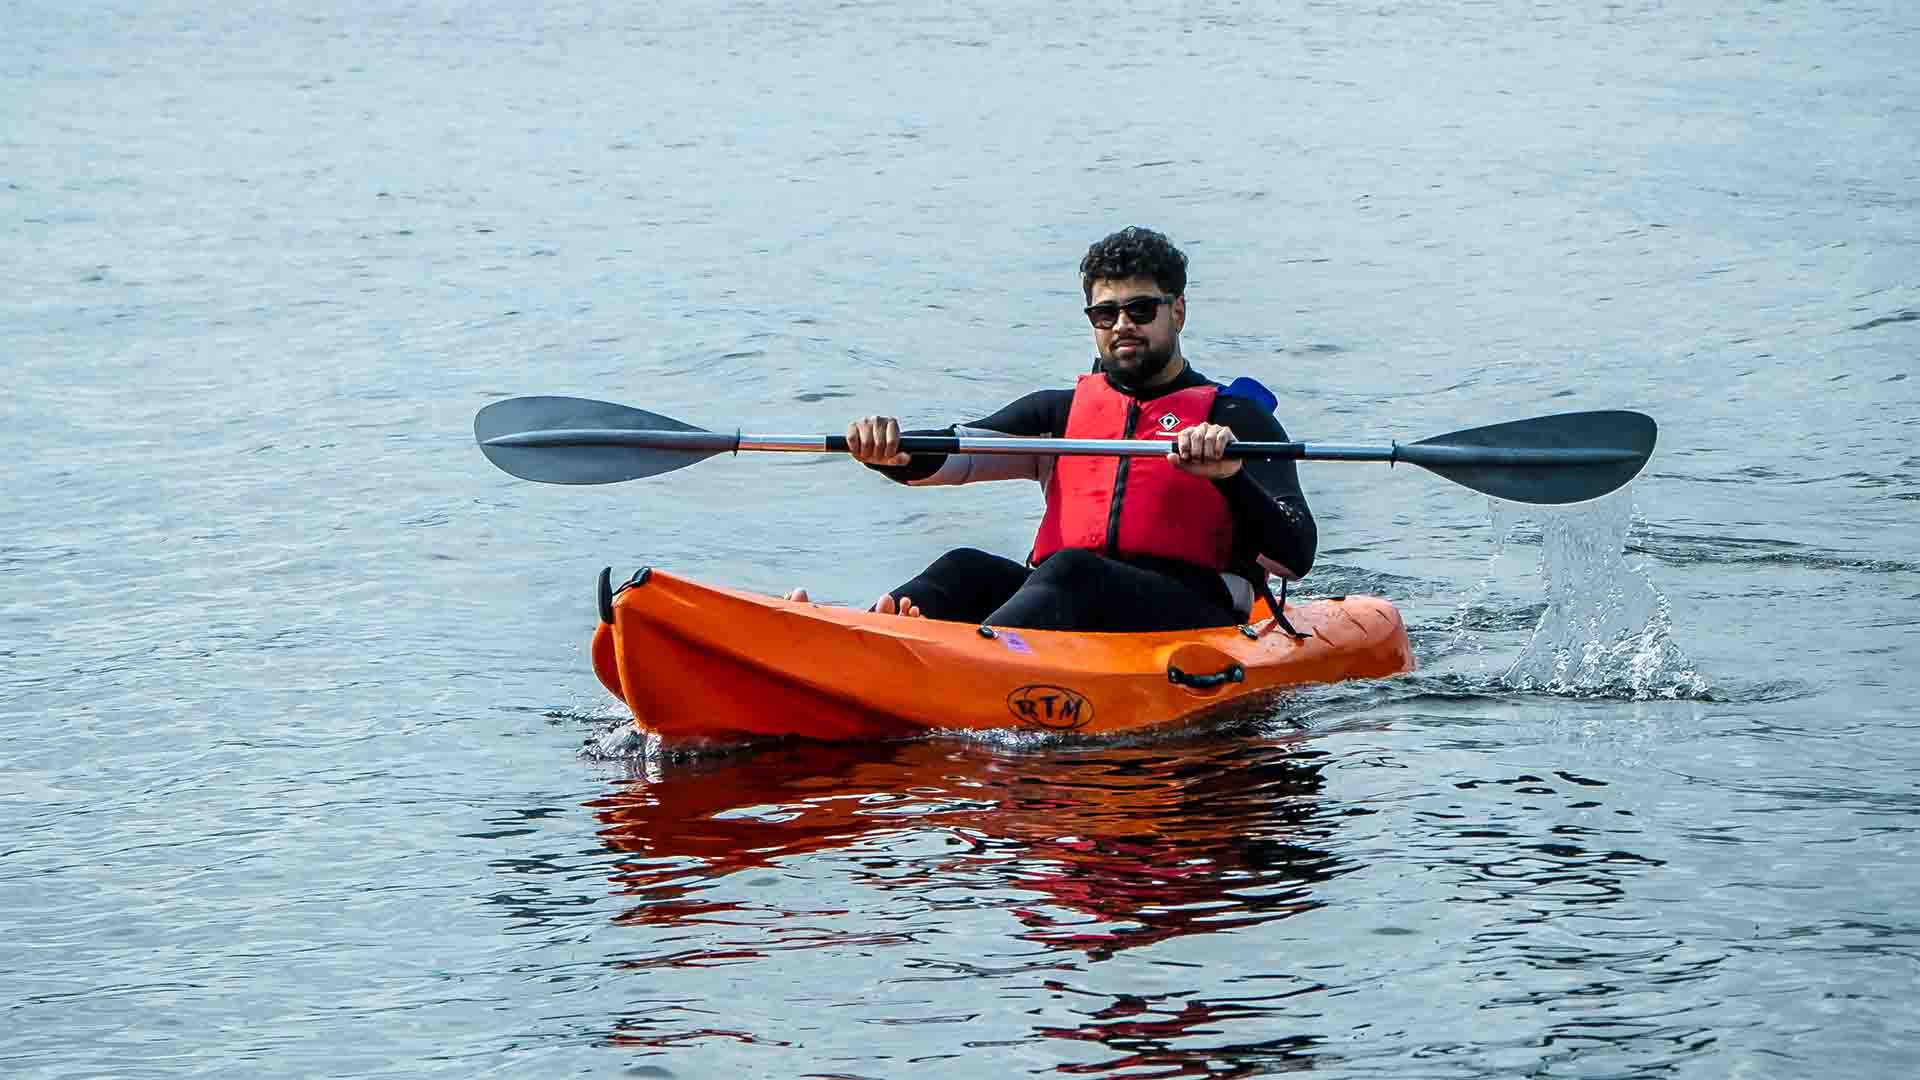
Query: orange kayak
(698, 662)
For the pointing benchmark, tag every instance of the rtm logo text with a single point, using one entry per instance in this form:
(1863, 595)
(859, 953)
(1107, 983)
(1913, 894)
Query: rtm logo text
(1055, 708)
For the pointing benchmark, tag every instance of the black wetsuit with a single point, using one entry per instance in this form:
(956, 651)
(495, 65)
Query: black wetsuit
(1075, 589)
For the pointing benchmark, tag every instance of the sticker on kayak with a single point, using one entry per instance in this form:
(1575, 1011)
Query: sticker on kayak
(1014, 642)
(1054, 708)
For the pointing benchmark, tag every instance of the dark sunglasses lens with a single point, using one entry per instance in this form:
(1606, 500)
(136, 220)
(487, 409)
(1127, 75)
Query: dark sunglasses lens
(1140, 312)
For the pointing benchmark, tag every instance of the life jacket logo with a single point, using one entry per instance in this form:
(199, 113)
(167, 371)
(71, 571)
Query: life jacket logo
(1054, 708)
(1169, 422)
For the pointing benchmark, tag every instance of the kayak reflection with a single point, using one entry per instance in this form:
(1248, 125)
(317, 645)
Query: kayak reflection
(1093, 848)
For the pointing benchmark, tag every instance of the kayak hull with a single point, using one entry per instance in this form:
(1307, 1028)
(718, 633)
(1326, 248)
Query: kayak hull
(699, 662)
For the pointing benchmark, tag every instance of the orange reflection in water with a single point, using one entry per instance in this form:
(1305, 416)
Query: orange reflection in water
(1094, 848)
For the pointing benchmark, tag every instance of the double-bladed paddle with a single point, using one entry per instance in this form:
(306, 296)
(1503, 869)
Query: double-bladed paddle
(1548, 460)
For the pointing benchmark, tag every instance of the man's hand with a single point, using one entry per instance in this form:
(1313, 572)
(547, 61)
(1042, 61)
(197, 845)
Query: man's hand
(1199, 449)
(875, 440)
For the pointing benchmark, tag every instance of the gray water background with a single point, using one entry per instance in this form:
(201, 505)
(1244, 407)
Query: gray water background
(293, 686)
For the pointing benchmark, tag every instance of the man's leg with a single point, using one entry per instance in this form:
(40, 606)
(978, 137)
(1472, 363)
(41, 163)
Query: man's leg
(964, 585)
(1079, 590)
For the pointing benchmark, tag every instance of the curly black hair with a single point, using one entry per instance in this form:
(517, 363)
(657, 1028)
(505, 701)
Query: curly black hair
(1135, 252)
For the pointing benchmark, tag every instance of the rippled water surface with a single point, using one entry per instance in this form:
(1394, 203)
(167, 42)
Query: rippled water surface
(306, 770)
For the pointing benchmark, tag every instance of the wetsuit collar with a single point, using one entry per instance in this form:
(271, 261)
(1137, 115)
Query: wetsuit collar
(1188, 377)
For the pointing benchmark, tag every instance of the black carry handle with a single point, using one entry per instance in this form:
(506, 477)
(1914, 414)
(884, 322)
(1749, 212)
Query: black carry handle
(1234, 673)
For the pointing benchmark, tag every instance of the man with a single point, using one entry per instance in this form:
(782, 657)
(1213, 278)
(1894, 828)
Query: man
(1127, 543)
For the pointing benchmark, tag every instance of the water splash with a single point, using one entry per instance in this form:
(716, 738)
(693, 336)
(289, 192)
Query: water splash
(622, 742)
(1606, 631)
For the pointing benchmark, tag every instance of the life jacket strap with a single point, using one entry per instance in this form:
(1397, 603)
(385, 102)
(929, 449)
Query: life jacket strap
(1279, 606)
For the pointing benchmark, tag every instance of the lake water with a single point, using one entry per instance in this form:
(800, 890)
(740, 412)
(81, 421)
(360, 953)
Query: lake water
(307, 773)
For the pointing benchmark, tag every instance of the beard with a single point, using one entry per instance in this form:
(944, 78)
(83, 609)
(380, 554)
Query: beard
(1137, 370)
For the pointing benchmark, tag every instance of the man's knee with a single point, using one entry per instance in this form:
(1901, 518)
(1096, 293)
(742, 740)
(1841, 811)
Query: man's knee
(1070, 568)
(961, 561)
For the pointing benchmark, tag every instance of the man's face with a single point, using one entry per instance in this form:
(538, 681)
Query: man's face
(1130, 351)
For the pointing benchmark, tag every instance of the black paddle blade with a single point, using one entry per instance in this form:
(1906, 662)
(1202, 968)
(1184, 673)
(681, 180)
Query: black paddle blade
(1549, 460)
(565, 440)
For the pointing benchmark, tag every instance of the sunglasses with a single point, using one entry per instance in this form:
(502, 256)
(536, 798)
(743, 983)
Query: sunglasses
(1141, 311)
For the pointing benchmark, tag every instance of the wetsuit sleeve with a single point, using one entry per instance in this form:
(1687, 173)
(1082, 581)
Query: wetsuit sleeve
(1270, 514)
(1043, 412)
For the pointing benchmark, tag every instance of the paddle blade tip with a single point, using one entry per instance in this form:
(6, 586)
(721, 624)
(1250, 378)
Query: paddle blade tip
(1557, 460)
(551, 439)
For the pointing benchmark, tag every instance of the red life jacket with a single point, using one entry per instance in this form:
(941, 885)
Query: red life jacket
(1134, 505)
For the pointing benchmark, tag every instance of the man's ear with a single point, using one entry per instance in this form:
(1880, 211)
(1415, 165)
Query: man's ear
(1179, 310)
